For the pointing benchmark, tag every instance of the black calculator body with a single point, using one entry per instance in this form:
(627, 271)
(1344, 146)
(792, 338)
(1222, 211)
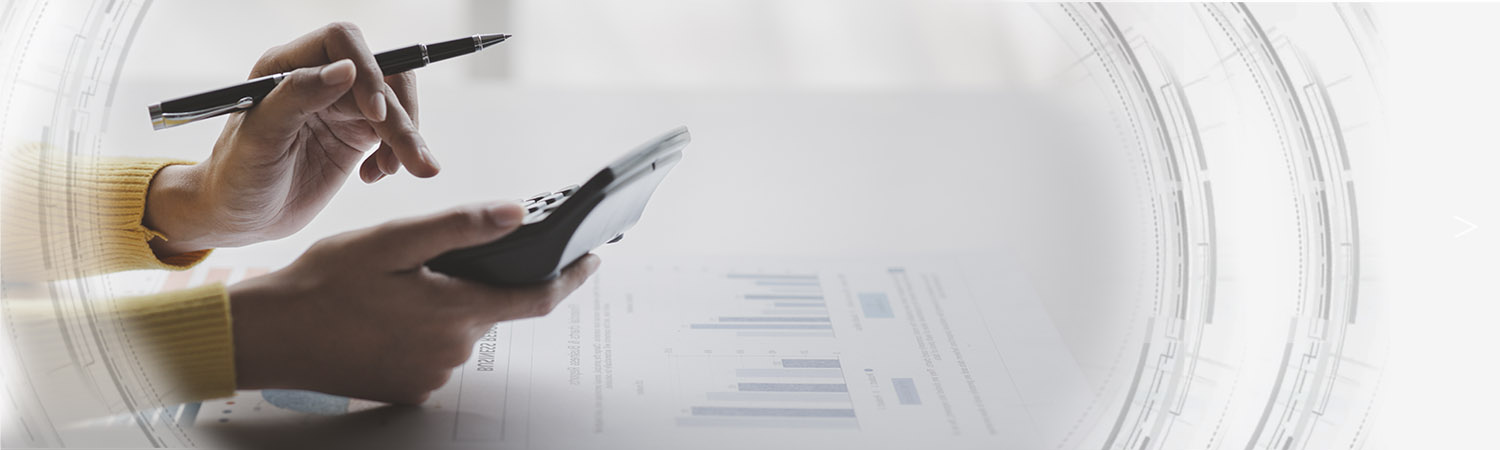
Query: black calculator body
(562, 226)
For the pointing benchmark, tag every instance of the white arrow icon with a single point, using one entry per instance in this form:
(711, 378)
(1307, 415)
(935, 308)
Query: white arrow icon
(1471, 226)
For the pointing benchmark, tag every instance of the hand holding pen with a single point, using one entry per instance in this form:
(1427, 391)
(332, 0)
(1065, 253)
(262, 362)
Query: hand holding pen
(358, 314)
(310, 112)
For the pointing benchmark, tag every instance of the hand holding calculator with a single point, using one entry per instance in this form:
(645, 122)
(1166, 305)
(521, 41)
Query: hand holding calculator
(561, 226)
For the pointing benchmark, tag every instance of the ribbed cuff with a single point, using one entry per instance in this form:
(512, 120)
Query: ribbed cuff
(67, 216)
(185, 339)
(126, 241)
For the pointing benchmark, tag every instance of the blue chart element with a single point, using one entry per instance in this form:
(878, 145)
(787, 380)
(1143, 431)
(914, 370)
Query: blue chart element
(810, 363)
(766, 326)
(773, 319)
(785, 412)
(808, 283)
(189, 414)
(793, 387)
(906, 391)
(306, 401)
(783, 297)
(790, 373)
(876, 305)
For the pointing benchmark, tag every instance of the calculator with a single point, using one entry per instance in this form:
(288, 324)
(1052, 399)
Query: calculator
(563, 225)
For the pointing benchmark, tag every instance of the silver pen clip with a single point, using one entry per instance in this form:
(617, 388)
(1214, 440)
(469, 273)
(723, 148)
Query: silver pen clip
(161, 120)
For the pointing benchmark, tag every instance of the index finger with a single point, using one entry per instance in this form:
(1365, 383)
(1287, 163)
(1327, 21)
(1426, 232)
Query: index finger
(335, 41)
(384, 161)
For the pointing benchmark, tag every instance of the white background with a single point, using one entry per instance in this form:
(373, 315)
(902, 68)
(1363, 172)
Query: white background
(1443, 383)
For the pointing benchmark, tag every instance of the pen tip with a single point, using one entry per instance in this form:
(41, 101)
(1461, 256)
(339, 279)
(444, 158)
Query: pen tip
(486, 40)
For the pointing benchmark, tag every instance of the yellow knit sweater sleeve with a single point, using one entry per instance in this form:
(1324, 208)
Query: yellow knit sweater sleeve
(184, 340)
(67, 217)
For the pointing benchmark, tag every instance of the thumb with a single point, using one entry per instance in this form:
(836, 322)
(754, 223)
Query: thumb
(407, 243)
(304, 91)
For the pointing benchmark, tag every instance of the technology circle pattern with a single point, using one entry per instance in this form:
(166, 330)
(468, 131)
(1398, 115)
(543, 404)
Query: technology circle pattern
(1249, 333)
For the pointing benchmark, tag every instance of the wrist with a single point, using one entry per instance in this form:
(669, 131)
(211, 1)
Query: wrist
(174, 208)
(254, 328)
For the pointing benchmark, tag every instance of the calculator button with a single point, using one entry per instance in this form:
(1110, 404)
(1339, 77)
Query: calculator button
(569, 190)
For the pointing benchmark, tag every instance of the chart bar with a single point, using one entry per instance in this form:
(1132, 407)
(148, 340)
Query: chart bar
(815, 397)
(793, 387)
(760, 326)
(906, 391)
(790, 373)
(812, 282)
(810, 363)
(794, 312)
(784, 333)
(773, 319)
(798, 305)
(768, 422)
(783, 297)
(797, 290)
(771, 412)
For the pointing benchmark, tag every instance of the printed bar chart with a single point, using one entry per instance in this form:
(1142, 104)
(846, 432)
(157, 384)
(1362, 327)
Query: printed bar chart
(773, 306)
(764, 392)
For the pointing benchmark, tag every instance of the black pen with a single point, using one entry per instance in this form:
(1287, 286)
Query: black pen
(245, 95)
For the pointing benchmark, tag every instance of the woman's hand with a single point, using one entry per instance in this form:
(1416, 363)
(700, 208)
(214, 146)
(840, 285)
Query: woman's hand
(359, 316)
(275, 166)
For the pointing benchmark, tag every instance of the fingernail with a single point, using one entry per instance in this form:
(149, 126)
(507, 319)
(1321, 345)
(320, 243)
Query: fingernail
(505, 214)
(385, 167)
(377, 107)
(427, 156)
(340, 72)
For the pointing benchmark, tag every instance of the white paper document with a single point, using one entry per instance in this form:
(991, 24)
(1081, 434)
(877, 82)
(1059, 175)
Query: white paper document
(751, 353)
